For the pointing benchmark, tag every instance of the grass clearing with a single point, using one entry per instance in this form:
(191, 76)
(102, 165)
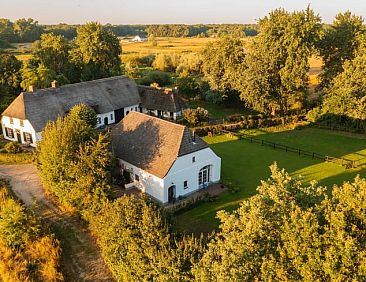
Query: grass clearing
(220, 111)
(245, 164)
(20, 158)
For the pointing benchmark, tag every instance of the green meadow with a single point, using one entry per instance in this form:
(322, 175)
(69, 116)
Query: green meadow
(245, 164)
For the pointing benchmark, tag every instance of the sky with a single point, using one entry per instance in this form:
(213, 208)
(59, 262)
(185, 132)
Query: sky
(166, 11)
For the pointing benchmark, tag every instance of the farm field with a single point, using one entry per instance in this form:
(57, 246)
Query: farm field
(245, 164)
(164, 45)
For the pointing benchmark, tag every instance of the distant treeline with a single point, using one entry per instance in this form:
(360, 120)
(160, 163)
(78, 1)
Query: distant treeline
(209, 30)
(29, 30)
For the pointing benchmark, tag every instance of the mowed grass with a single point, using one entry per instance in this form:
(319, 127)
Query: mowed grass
(246, 164)
(217, 111)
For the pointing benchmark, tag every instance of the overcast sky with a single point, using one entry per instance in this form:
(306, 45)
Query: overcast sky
(166, 11)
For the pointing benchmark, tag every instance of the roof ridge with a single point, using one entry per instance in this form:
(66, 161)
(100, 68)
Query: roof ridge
(80, 83)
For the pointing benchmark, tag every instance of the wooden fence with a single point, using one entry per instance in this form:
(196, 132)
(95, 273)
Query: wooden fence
(347, 163)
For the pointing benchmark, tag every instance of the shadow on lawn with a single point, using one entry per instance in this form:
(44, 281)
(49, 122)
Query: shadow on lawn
(246, 164)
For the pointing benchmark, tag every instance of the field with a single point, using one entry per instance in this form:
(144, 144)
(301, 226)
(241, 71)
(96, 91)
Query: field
(246, 164)
(172, 45)
(165, 45)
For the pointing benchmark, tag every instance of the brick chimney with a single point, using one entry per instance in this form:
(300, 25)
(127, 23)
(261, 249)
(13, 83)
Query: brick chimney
(32, 88)
(55, 84)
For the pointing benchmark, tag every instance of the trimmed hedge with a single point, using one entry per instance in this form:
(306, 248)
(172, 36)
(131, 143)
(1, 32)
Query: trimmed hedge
(249, 122)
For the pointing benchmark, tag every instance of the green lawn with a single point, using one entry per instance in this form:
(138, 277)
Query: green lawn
(220, 111)
(246, 164)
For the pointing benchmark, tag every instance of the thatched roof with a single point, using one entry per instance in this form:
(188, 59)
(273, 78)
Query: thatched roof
(152, 144)
(103, 95)
(160, 99)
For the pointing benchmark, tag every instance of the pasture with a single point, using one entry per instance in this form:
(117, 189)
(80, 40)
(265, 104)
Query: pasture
(245, 164)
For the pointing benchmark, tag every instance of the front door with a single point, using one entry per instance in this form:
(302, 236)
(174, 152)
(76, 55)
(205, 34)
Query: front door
(106, 121)
(19, 137)
(171, 194)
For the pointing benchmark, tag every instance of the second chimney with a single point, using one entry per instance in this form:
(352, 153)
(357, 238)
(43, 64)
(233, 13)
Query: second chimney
(54, 84)
(32, 88)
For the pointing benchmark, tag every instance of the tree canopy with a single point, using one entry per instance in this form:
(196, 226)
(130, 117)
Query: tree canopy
(223, 63)
(138, 245)
(346, 96)
(74, 162)
(340, 43)
(290, 231)
(276, 65)
(97, 52)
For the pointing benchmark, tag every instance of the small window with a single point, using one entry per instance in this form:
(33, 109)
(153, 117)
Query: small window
(99, 120)
(135, 109)
(11, 120)
(185, 184)
(111, 116)
(137, 178)
(27, 137)
(193, 159)
(21, 123)
(9, 132)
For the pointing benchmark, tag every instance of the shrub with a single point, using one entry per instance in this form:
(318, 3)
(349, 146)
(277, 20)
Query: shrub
(13, 148)
(234, 117)
(136, 242)
(214, 97)
(314, 114)
(159, 77)
(195, 116)
(28, 252)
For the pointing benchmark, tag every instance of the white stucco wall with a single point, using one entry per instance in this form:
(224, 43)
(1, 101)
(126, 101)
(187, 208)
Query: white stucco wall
(16, 126)
(101, 117)
(148, 183)
(184, 169)
(133, 108)
(164, 114)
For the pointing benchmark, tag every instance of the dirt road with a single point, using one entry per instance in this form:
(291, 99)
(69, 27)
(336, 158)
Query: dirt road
(81, 260)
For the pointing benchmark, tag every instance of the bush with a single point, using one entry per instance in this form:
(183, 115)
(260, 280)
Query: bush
(28, 252)
(314, 114)
(135, 238)
(13, 148)
(234, 118)
(195, 116)
(214, 97)
(246, 123)
(159, 77)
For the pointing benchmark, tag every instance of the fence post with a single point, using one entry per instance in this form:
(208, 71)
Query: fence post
(313, 155)
(251, 139)
(299, 152)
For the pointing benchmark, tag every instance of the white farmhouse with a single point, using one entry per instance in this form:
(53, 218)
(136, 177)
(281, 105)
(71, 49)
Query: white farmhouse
(111, 99)
(139, 38)
(161, 102)
(163, 159)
